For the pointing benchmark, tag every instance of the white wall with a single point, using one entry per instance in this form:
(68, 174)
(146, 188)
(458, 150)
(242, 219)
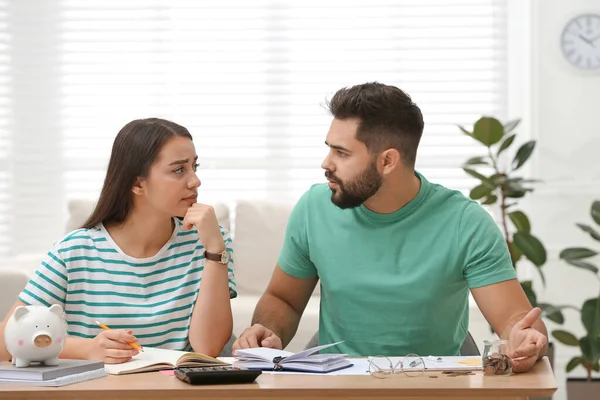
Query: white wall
(567, 126)
(564, 107)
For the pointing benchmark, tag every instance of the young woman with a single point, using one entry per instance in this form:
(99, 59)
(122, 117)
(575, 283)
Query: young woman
(157, 280)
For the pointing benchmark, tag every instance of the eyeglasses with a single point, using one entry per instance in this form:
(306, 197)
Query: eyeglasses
(382, 367)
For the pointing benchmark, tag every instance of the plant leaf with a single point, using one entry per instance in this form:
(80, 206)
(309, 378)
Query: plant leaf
(596, 211)
(523, 154)
(583, 264)
(596, 367)
(590, 316)
(466, 132)
(528, 289)
(488, 131)
(490, 199)
(531, 247)
(556, 317)
(506, 144)
(514, 190)
(477, 161)
(511, 125)
(480, 191)
(552, 312)
(515, 253)
(590, 348)
(576, 253)
(498, 178)
(590, 230)
(565, 337)
(520, 220)
(484, 179)
(575, 361)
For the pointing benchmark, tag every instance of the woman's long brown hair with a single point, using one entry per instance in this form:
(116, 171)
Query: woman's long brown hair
(134, 151)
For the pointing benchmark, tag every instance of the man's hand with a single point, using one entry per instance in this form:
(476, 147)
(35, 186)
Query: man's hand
(257, 336)
(526, 342)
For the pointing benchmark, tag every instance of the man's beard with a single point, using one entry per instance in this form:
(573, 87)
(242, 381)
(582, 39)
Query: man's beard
(356, 191)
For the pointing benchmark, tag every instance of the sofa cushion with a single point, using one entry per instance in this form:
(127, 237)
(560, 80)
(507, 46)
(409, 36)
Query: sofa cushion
(259, 234)
(80, 210)
(12, 281)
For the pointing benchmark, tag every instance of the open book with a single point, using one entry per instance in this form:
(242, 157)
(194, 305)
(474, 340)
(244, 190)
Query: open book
(280, 360)
(153, 359)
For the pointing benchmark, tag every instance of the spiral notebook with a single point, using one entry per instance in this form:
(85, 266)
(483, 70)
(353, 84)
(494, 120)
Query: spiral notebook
(280, 360)
(61, 381)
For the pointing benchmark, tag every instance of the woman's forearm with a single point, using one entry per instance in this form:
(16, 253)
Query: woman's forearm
(76, 348)
(212, 323)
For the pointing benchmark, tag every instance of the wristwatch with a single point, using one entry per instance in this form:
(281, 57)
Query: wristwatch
(222, 258)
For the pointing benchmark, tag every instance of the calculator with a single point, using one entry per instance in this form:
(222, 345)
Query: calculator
(216, 375)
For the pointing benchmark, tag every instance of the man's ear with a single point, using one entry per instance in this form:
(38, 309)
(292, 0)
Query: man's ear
(138, 186)
(389, 160)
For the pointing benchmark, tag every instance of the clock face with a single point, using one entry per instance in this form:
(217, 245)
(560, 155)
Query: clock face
(580, 42)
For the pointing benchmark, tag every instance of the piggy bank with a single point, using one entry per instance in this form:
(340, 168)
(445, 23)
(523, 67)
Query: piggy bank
(35, 334)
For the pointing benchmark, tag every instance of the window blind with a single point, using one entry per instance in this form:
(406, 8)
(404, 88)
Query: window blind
(249, 79)
(5, 137)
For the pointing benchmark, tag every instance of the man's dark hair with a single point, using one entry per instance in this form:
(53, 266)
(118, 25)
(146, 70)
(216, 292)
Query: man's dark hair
(387, 116)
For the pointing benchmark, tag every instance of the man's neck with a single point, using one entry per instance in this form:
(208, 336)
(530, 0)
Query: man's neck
(394, 194)
(142, 234)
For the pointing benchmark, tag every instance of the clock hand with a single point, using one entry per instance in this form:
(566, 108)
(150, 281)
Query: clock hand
(588, 41)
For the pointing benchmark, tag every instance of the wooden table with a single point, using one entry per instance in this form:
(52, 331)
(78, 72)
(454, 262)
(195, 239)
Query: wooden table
(154, 385)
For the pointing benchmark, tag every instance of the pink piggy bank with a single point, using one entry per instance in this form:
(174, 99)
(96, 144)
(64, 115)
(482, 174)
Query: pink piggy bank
(35, 334)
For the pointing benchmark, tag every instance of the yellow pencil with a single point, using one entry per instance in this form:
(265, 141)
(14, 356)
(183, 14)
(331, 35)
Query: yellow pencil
(134, 345)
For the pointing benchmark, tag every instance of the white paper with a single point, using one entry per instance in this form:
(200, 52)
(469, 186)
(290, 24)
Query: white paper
(361, 365)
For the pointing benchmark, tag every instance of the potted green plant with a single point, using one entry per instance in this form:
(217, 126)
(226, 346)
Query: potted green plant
(499, 185)
(589, 343)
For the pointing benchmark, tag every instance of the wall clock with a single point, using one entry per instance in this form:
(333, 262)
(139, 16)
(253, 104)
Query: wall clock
(580, 42)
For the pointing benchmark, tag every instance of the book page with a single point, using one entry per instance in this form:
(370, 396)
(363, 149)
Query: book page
(151, 359)
(198, 359)
(267, 354)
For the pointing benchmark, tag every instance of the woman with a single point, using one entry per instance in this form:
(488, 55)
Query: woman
(153, 278)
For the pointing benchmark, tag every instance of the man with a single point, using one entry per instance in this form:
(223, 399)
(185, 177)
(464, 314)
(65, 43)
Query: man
(396, 255)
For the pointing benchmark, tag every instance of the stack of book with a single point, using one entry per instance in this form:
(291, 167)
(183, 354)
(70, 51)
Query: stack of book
(66, 372)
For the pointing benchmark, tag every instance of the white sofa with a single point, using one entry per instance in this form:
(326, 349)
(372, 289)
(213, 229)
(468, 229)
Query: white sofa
(257, 230)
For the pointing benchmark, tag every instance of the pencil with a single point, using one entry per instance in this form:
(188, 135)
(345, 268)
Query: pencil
(134, 345)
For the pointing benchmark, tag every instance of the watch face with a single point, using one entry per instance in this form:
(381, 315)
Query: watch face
(580, 42)
(225, 257)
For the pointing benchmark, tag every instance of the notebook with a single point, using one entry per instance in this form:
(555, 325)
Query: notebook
(41, 372)
(61, 381)
(280, 360)
(153, 359)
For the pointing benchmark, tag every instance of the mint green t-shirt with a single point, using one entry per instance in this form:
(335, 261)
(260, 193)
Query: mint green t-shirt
(393, 284)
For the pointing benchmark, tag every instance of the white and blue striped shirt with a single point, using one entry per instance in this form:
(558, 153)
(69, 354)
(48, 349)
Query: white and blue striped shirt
(93, 280)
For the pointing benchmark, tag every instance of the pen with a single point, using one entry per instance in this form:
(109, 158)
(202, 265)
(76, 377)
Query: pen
(134, 345)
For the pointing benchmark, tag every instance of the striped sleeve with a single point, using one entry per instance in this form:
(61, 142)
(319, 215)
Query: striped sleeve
(230, 266)
(49, 283)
